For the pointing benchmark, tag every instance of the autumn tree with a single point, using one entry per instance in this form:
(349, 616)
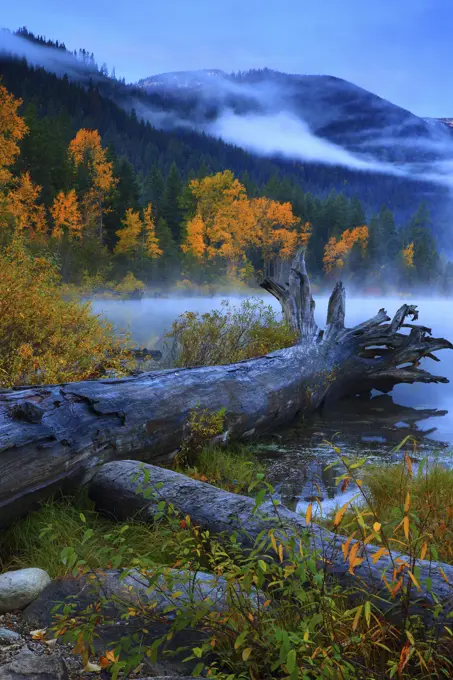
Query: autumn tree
(86, 149)
(408, 256)
(275, 231)
(12, 130)
(28, 215)
(337, 251)
(223, 223)
(66, 215)
(151, 241)
(138, 234)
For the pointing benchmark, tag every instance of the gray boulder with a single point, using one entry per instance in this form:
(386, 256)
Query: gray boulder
(8, 636)
(29, 666)
(19, 588)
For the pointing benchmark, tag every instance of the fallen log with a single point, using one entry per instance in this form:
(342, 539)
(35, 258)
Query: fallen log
(51, 436)
(121, 489)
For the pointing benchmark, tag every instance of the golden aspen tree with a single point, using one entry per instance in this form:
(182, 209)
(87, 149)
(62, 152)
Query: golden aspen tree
(12, 130)
(408, 255)
(336, 251)
(275, 230)
(151, 242)
(129, 235)
(66, 215)
(86, 148)
(223, 222)
(21, 202)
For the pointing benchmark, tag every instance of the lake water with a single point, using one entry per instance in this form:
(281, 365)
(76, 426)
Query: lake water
(299, 454)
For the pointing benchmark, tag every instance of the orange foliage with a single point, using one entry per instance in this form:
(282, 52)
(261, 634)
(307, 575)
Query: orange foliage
(227, 222)
(63, 342)
(408, 255)
(137, 233)
(151, 240)
(336, 251)
(12, 130)
(86, 149)
(21, 204)
(66, 215)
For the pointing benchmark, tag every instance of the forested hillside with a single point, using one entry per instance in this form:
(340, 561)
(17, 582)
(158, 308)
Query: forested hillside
(85, 158)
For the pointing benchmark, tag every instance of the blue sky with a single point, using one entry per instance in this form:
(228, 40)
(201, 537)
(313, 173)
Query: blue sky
(400, 49)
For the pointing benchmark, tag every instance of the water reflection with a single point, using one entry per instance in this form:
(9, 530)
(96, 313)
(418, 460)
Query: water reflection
(371, 428)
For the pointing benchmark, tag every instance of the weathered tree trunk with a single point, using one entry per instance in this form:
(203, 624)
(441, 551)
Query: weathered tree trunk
(117, 489)
(49, 435)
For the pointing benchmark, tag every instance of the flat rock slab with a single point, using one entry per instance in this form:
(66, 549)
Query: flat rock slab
(29, 666)
(19, 588)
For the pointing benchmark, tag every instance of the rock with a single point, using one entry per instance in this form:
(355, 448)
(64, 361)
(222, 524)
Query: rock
(197, 588)
(8, 636)
(29, 666)
(19, 588)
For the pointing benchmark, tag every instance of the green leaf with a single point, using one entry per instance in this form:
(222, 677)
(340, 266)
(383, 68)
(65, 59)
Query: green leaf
(291, 660)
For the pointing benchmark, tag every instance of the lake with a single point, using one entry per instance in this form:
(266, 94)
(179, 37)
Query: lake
(299, 454)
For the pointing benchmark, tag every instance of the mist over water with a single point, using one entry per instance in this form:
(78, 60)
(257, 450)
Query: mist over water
(299, 454)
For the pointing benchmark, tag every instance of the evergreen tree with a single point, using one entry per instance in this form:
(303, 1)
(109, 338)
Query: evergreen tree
(171, 210)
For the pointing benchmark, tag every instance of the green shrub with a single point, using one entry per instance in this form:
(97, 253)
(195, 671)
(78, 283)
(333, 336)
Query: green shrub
(232, 468)
(130, 285)
(229, 334)
(301, 627)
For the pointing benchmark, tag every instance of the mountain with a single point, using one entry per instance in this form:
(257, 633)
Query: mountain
(334, 110)
(317, 133)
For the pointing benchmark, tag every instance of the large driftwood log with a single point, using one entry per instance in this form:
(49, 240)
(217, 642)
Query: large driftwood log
(50, 435)
(118, 489)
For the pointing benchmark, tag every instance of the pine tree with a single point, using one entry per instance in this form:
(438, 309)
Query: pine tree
(171, 210)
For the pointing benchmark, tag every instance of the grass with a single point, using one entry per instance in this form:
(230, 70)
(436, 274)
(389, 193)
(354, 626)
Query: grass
(232, 468)
(39, 539)
(425, 493)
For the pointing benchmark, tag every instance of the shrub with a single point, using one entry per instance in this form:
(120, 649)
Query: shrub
(302, 626)
(130, 284)
(228, 335)
(43, 338)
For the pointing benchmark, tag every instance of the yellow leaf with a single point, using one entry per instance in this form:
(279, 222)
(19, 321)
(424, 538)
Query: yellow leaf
(274, 543)
(377, 527)
(377, 555)
(408, 502)
(280, 552)
(357, 616)
(246, 653)
(414, 580)
(340, 514)
(308, 514)
(444, 575)
(424, 550)
(406, 527)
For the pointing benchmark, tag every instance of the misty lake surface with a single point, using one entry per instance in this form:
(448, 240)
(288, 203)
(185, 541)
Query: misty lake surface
(299, 454)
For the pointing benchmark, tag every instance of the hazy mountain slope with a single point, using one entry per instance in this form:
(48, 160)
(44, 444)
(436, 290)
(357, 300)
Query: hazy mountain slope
(332, 108)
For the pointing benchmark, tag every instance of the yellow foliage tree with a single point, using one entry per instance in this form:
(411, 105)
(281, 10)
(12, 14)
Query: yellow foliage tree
(86, 148)
(21, 202)
(149, 232)
(138, 234)
(63, 342)
(128, 236)
(66, 215)
(275, 230)
(227, 223)
(408, 255)
(12, 130)
(336, 252)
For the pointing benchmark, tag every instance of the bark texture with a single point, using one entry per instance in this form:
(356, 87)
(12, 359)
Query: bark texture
(118, 489)
(54, 435)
